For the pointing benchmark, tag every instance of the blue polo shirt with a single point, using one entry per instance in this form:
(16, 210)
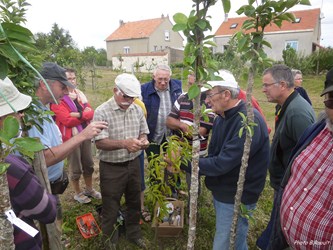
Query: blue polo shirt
(50, 137)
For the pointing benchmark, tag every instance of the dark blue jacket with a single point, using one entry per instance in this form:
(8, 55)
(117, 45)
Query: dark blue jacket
(152, 101)
(225, 151)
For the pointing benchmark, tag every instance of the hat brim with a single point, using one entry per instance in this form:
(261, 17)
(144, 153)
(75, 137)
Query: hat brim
(68, 84)
(327, 90)
(20, 103)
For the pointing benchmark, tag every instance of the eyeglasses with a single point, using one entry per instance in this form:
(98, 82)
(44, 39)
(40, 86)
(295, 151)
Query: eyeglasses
(211, 95)
(329, 103)
(266, 85)
(163, 80)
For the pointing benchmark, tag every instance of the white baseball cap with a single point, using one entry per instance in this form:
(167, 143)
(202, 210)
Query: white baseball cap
(128, 84)
(228, 80)
(11, 100)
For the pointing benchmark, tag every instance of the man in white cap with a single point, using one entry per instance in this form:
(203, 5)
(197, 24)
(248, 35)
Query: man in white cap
(55, 150)
(119, 148)
(222, 165)
(28, 198)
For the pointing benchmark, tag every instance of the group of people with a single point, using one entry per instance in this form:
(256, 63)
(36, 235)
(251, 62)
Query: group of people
(299, 158)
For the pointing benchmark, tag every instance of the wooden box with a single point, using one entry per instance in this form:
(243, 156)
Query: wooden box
(174, 226)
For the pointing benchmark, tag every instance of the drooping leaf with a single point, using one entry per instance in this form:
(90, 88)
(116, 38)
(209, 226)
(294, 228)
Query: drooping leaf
(226, 6)
(3, 67)
(179, 27)
(30, 144)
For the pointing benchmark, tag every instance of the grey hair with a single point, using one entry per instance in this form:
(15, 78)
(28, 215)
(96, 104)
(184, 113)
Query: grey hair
(280, 73)
(162, 67)
(234, 92)
(296, 72)
(37, 82)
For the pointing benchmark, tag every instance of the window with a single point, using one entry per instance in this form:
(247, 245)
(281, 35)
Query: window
(225, 48)
(126, 50)
(233, 26)
(166, 35)
(291, 44)
(155, 47)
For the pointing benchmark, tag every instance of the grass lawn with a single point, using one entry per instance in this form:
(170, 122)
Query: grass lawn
(206, 217)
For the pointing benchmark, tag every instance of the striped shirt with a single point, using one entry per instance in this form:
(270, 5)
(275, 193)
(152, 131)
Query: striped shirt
(183, 110)
(165, 106)
(122, 124)
(307, 202)
(29, 201)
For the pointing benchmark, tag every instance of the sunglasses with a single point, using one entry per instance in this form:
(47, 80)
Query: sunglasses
(329, 103)
(126, 97)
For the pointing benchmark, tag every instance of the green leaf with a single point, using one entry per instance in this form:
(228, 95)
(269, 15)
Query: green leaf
(30, 144)
(180, 18)
(193, 91)
(249, 11)
(3, 67)
(10, 127)
(305, 2)
(240, 133)
(226, 5)
(264, 42)
(242, 42)
(179, 27)
(201, 24)
(212, 43)
(7, 51)
(242, 115)
(3, 167)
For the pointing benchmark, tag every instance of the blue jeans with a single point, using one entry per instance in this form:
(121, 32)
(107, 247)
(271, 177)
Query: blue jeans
(224, 214)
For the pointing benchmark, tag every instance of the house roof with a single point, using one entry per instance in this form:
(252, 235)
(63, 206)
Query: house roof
(135, 30)
(308, 21)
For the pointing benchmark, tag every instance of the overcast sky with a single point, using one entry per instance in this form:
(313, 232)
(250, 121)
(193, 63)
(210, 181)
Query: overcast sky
(91, 22)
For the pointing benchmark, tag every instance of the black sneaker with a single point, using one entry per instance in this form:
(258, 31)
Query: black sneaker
(140, 243)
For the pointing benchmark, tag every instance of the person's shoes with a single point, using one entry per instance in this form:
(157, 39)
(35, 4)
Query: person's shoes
(92, 193)
(145, 215)
(140, 243)
(82, 198)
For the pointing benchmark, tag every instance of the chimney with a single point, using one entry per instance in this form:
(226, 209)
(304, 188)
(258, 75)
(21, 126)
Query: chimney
(162, 16)
(121, 22)
(225, 17)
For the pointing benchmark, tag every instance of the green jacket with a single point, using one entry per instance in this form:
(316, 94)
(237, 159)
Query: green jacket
(295, 116)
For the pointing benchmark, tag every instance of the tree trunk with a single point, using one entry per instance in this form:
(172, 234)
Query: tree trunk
(245, 158)
(50, 232)
(6, 233)
(195, 175)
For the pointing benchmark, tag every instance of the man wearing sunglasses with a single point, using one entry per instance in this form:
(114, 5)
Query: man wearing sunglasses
(306, 197)
(119, 147)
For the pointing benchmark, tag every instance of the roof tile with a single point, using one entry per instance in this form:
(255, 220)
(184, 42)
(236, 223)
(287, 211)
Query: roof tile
(135, 30)
(309, 20)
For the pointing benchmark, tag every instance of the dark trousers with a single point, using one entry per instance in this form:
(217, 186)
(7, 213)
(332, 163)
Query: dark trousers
(117, 179)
